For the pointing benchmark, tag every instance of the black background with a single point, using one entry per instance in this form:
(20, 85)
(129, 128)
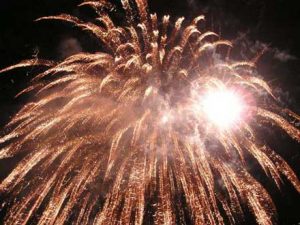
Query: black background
(250, 24)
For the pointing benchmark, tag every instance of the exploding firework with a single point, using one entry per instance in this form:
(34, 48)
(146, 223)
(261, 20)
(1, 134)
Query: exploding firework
(155, 129)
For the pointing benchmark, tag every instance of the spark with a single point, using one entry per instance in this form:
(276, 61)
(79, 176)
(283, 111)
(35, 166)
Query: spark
(121, 136)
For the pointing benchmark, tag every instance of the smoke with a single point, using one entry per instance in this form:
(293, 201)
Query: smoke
(68, 46)
(191, 3)
(250, 48)
(282, 55)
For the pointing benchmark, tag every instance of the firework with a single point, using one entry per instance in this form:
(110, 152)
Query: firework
(153, 130)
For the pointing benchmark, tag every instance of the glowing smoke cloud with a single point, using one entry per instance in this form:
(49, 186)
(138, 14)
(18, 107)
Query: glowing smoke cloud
(152, 131)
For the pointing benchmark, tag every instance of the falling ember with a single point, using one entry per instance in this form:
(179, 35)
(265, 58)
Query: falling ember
(115, 137)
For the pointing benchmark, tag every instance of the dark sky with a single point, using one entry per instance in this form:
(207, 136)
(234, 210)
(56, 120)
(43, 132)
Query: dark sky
(250, 24)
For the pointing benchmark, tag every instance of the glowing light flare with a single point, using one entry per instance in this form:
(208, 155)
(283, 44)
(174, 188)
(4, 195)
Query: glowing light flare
(165, 119)
(223, 107)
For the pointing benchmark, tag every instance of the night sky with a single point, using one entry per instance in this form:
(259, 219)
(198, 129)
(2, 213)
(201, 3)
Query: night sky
(251, 25)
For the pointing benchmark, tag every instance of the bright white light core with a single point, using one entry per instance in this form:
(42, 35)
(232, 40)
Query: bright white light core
(165, 119)
(223, 107)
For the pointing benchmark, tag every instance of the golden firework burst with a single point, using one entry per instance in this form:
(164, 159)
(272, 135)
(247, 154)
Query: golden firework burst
(154, 130)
